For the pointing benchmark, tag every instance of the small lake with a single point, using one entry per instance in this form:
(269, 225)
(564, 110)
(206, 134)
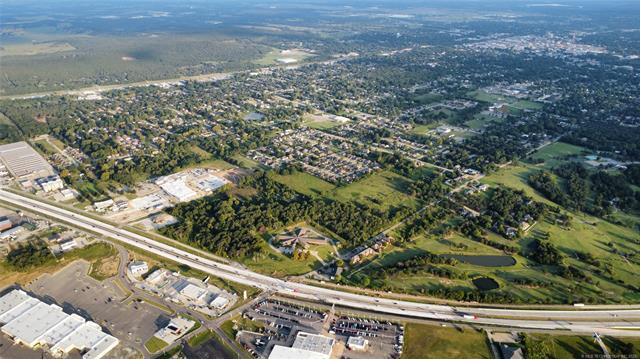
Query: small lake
(484, 283)
(485, 261)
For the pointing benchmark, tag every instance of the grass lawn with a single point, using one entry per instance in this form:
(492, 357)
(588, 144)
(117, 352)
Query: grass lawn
(427, 98)
(46, 147)
(382, 190)
(276, 264)
(556, 153)
(481, 121)
(319, 121)
(586, 234)
(154, 344)
(200, 338)
(423, 129)
(304, 183)
(321, 125)
(569, 346)
(518, 104)
(245, 162)
(239, 323)
(424, 341)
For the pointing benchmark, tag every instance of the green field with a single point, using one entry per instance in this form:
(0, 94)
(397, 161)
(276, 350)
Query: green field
(481, 121)
(200, 338)
(427, 98)
(569, 347)
(515, 104)
(425, 341)
(305, 183)
(245, 162)
(154, 345)
(381, 190)
(276, 264)
(558, 152)
(586, 234)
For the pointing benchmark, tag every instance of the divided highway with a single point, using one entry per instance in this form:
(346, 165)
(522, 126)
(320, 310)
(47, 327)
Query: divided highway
(583, 320)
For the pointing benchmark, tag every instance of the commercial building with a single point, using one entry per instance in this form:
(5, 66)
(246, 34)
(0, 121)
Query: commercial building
(5, 223)
(138, 268)
(175, 186)
(357, 343)
(191, 292)
(50, 183)
(306, 345)
(68, 245)
(31, 322)
(11, 232)
(22, 161)
(176, 328)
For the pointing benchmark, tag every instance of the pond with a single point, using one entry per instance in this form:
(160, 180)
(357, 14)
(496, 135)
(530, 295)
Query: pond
(485, 261)
(485, 283)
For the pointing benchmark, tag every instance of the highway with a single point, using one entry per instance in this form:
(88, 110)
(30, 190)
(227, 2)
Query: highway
(581, 320)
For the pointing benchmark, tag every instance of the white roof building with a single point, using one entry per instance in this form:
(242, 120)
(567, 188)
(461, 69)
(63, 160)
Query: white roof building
(280, 352)
(176, 328)
(177, 188)
(219, 302)
(306, 345)
(138, 268)
(51, 183)
(32, 322)
(193, 292)
(357, 343)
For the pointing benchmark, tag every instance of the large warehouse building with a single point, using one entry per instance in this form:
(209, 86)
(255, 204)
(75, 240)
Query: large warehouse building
(31, 322)
(23, 162)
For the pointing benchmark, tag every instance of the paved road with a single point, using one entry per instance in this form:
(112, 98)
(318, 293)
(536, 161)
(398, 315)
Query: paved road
(608, 321)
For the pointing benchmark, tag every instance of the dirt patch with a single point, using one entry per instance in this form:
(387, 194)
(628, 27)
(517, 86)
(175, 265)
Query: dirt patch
(105, 268)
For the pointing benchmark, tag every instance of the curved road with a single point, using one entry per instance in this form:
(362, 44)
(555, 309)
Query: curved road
(610, 322)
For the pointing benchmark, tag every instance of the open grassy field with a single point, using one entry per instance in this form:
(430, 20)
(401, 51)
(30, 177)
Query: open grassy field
(569, 346)
(319, 121)
(381, 190)
(558, 152)
(305, 183)
(275, 264)
(513, 103)
(585, 234)
(427, 98)
(245, 162)
(425, 341)
(154, 344)
(481, 121)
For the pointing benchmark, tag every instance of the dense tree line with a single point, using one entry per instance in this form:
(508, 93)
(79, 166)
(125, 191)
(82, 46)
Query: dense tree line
(29, 255)
(229, 225)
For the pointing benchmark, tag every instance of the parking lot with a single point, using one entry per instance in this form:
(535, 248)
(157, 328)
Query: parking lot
(71, 288)
(385, 339)
(282, 322)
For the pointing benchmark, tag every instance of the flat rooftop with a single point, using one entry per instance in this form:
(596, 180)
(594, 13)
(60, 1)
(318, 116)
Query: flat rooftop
(313, 343)
(22, 161)
(32, 322)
